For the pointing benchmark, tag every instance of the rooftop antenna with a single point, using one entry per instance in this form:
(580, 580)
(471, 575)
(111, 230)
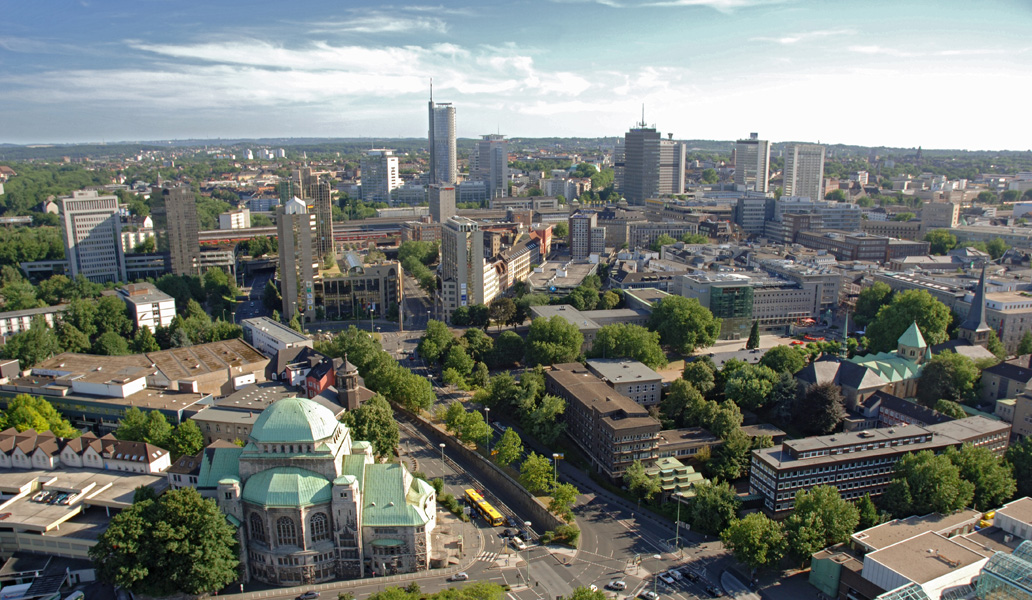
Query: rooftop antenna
(431, 89)
(642, 114)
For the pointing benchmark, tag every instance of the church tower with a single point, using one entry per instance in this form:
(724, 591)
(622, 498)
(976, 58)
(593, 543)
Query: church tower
(974, 328)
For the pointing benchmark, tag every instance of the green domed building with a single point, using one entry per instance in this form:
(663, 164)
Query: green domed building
(312, 505)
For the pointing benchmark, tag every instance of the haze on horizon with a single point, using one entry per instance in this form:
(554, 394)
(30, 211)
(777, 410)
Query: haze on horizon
(937, 74)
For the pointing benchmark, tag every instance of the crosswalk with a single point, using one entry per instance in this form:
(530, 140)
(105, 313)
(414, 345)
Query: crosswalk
(488, 556)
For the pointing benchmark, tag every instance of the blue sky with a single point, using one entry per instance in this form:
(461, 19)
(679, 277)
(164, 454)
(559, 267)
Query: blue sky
(935, 73)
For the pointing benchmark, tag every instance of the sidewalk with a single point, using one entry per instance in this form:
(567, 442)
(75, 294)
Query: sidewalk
(735, 588)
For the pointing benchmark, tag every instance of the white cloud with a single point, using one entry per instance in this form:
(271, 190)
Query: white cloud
(880, 50)
(794, 38)
(382, 23)
(725, 6)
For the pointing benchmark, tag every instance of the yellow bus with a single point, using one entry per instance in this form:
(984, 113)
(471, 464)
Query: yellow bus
(485, 510)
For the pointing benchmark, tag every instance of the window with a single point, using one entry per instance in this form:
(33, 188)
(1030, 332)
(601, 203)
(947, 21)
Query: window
(320, 527)
(258, 528)
(286, 532)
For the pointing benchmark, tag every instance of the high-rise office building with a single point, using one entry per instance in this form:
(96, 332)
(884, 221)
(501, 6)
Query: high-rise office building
(491, 165)
(175, 216)
(321, 204)
(752, 164)
(651, 166)
(380, 175)
(444, 165)
(466, 278)
(297, 230)
(581, 225)
(804, 171)
(93, 236)
(442, 203)
(303, 180)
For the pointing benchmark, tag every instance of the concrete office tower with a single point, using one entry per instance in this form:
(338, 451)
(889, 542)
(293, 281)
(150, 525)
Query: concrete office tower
(442, 203)
(93, 236)
(640, 179)
(492, 165)
(303, 180)
(466, 278)
(297, 230)
(671, 167)
(444, 164)
(175, 218)
(380, 175)
(804, 171)
(581, 226)
(322, 206)
(752, 164)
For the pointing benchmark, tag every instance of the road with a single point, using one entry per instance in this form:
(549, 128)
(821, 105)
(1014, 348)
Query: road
(253, 307)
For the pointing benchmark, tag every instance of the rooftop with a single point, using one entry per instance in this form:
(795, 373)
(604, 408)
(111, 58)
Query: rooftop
(926, 557)
(621, 370)
(1019, 510)
(143, 293)
(274, 329)
(887, 534)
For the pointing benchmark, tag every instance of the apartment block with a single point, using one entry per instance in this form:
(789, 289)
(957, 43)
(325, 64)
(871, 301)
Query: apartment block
(629, 377)
(149, 306)
(858, 463)
(380, 175)
(442, 203)
(752, 164)
(175, 213)
(582, 224)
(804, 170)
(298, 262)
(235, 219)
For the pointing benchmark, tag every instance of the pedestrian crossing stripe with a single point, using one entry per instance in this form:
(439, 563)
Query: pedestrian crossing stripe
(488, 556)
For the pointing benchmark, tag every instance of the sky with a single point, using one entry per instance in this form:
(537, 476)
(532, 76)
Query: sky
(901, 73)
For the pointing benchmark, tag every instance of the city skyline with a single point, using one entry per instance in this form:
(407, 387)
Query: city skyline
(880, 74)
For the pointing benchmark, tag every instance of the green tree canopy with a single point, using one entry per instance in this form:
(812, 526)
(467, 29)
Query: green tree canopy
(924, 483)
(622, 340)
(178, 543)
(563, 497)
(536, 474)
(751, 386)
(756, 540)
(783, 359)
(684, 324)
(870, 301)
(993, 480)
(1019, 456)
(509, 448)
(31, 412)
(701, 374)
(754, 336)
(714, 507)
(821, 409)
(640, 483)
(821, 519)
(907, 307)
(186, 439)
(941, 241)
(374, 422)
(553, 340)
(508, 350)
(947, 376)
(30, 347)
(435, 341)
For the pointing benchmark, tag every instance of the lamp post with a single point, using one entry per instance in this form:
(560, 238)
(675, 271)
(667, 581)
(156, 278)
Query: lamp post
(442, 451)
(526, 524)
(555, 464)
(677, 523)
(490, 434)
(655, 577)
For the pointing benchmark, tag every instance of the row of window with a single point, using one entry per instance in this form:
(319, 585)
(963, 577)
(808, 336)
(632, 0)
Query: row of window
(286, 529)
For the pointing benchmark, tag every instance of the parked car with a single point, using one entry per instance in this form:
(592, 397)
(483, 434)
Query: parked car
(666, 578)
(498, 425)
(519, 544)
(676, 574)
(714, 591)
(309, 595)
(691, 575)
(459, 577)
(648, 595)
(617, 584)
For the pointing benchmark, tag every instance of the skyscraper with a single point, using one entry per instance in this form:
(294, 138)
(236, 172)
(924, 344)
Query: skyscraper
(466, 278)
(581, 225)
(321, 205)
(442, 203)
(380, 175)
(443, 154)
(175, 213)
(752, 163)
(297, 230)
(491, 164)
(92, 231)
(651, 166)
(804, 171)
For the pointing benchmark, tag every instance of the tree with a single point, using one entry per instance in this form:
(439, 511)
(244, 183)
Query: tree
(681, 401)
(186, 439)
(695, 238)
(994, 482)
(622, 340)
(784, 359)
(821, 409)
(474, 429)
(536, 474)
(545, 421)
(750, 386)
(502, 310)
(563, 497)
(821, 519)
(295, 323)
(435, 341)
(662, 240)
(715, 505)
(950, 409)
(31, 412)
(870, 300)
(924, 483)
(150, 427)
(709, 176)
(907, 307)
(553, 340)
(458, 359)
(32, 346)
(71, 339)
(561, 229)
(508, 350)
(684, 324)
(700, 373)
(509, 448)
(754, 336)
(756, 540)
(947, 376)
(996, 248)
(478, 343)
(113, 316)
(583, 593)
(480, 376)
(836, 195)
(143, 341)
(180, 542)
(271, 298)
(640, 483)
(608, 300)
(941, 241)
(110, 343)
(986, 197)
(1019, 456)
(731, 459)
(455, 417)
(1025, 345)
(374, 422)
(994, 345)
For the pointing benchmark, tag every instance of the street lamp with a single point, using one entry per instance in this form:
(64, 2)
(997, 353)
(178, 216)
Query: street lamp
(487, 417)
(677, 523)
(556, 457)
(655, 577)
(526, 524)
(442, 451)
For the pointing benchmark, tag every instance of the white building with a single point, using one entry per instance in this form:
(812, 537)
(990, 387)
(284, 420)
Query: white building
(235, 219)
(752, 163)
(380, 175)
(466, 278)
(491, 164)
(269, 337)
(804, 170)
(150, 306)
(444, 165)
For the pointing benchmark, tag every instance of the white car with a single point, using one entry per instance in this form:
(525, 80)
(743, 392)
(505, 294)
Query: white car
(666, 578)
(648, 595)
(617, 584)
(519, 544)
(676, 574)
(459, 577)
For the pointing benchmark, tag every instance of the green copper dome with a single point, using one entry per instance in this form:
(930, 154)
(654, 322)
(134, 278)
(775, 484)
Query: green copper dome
(287, 487)
(294, 420)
